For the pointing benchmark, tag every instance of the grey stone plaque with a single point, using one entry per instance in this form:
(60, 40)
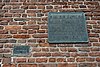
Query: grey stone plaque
(67, 27)
(21, 50)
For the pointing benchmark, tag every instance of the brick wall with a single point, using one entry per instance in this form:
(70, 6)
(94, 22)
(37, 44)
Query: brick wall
(24, 22)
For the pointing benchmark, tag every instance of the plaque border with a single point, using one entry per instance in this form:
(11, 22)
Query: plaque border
(69, 42)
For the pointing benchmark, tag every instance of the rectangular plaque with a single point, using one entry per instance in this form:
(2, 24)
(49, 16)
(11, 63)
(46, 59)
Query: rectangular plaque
(21, 50)
(67, 27)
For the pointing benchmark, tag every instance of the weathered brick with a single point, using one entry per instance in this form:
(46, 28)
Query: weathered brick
(17, 11)
(62, 65)
(83, 49)
(31, 31)
(41, 54)
(32, 7)
(61, 59)
(32, 40)
(27, 65)
(41, 60)
(54, 49)
(40, 40)
(13, 31)
(47, 65)
(34, 27)
(21, 36)
(20, 60)
(6, 60)
(3, 41)
(80, 59)
(93, 35)
(12, 27)
(96, 44)
(31, 60)
(5, 36)
(72, 50)
(40, 36)
(93, 39)
(36, 49)
(8, 45)
(9, 65)
(94, 54)
(90, 59)
(52, 59)
(22, 31)
(70, 59)
(60, 54)
(4, 22)
(45, 49)
(21, 19)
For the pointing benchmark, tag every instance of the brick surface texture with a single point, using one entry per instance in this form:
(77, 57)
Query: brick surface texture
(24, 22)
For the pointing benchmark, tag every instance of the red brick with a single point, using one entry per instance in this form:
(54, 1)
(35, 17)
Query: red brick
(96, 44)
(90, 59)
(32, 41)
(17, 15)
(27, 65)
(24, 7)
(21, 36)
(44, 27)
(64, 49)
(70, 59)
(41, 54)
(47, 65)
(72, 50)
(83, 49)
(40, 36)
(12, 27)
(22, 31)
(87, 65)
(17, 11)
(62, 65)
(5, 36)
(95, 49)
(36, 49)
(40, 6)
(98, 59)
(95, 31)
(45, 49)
(54, 49)
(20, 60)
(9, 65)
(96, 26)
(40, 60)
(3, 32)
(40, 40)
(93, 35)
(93, 39)
(80, 59)
(60, 54)
(32, 7)
(82, 54)
(44, 45)
(6, 60)
(61, 59)
(34, 27)
(52, 59)
(40, 31)
(94, 54)
(31, 60)
(31, 31)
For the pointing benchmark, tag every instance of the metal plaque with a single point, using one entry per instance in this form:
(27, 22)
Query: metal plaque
(21, 50)
(67, 27)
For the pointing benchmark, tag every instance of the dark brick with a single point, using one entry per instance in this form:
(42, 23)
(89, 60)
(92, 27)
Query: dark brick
(3, 41)
(82, 6)
(87, 65)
